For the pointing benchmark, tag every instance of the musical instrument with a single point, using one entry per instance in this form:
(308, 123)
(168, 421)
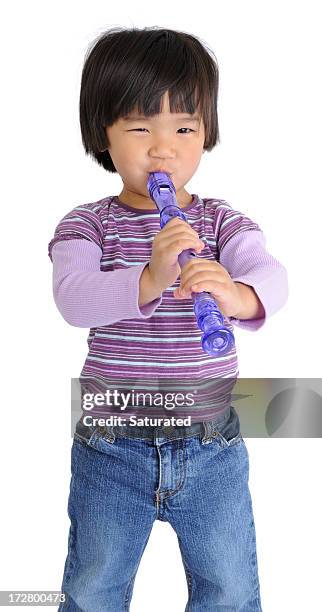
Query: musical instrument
(217, 339)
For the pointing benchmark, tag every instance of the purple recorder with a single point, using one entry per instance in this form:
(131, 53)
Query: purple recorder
(217, 339)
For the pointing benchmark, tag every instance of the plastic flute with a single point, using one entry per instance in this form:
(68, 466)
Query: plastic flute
(217, 339)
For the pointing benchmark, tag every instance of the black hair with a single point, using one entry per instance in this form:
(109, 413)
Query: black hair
(131, 68)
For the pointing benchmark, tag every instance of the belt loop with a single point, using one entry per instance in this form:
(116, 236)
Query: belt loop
(110, 435)
(208, 429)
(106, 432)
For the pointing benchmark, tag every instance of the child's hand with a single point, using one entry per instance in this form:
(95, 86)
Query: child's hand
(176, 236)
(206, 275)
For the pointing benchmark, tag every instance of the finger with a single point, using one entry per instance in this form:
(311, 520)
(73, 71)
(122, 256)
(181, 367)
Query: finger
(179, 243)
(200, 282)
(172, 230)
(214, 288)
(182, 234)
(168, 239)
(180, 295)
(198, 265)
(200, 274)
(206, 264)
(198, 288)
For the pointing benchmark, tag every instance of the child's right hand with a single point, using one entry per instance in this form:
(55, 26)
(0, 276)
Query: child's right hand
(176, 236)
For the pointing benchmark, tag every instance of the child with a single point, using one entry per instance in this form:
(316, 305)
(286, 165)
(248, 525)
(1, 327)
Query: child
(148, 103)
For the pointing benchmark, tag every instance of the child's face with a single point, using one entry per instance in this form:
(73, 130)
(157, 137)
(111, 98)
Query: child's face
(166, 142)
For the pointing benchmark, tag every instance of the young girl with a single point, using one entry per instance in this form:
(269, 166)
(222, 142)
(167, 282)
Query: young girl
(148, 103)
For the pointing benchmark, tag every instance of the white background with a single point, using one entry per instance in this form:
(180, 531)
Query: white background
(268, 165)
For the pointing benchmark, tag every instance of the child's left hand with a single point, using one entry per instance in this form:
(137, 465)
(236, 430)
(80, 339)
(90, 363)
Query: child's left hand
(206, 275)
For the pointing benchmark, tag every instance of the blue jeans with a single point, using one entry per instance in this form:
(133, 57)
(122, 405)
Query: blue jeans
(196, 479)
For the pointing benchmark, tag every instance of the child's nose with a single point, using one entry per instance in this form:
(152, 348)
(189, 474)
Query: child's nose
(163, 150)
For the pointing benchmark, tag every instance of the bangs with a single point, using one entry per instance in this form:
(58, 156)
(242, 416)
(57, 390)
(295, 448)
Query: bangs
(148, 72)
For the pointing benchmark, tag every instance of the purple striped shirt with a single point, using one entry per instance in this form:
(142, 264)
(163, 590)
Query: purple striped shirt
(99, 251)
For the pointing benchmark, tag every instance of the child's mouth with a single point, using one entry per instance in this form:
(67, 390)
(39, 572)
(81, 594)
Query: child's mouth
(160, 171)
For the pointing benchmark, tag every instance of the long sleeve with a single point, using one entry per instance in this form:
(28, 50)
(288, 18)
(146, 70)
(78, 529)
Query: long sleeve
(87, 297)
(245, 258)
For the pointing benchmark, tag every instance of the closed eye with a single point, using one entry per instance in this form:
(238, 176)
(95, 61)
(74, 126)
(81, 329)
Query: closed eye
(139, 129)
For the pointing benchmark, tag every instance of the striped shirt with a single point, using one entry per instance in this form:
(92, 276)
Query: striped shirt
(99, 251)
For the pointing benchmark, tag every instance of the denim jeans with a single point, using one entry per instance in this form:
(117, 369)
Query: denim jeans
(196, 479)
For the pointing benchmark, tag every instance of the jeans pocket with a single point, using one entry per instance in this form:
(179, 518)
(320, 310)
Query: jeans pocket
(226, 441)
(230, 433)
(95, 436)
(101, 441)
